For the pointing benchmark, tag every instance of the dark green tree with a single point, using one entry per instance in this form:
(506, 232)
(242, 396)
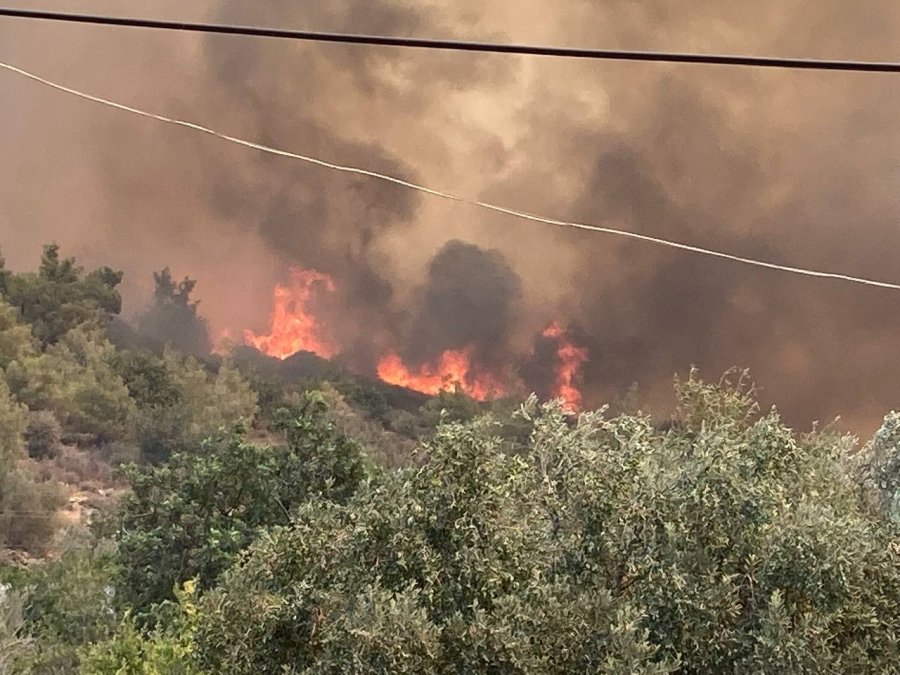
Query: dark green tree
(173, 318)
(16, 340)
(75, 379)
(148, 380)
(5, 276)
(61, 296)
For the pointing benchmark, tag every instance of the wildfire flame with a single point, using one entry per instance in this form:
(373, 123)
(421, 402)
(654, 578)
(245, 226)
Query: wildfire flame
(570, 359)
(452, 372)
(294, 327)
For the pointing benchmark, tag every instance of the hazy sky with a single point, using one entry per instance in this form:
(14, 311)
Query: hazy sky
(799, 168)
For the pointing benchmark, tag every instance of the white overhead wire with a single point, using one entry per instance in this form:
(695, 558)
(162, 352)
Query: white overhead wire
(450, 196)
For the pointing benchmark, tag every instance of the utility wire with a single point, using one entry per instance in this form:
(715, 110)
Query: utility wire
(462, 46)
(450, 196)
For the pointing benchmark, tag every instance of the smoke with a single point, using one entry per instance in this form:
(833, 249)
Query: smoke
(797, 168)
(470, 297)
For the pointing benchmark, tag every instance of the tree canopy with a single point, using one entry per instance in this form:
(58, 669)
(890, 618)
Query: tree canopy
(61, 296)
(173, 317)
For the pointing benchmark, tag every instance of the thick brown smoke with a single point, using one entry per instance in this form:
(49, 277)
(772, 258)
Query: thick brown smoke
(794, 167)
(471, 297)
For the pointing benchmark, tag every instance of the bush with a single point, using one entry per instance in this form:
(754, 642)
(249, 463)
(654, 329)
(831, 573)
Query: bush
(118, 453)
(16, 646)
(161, 432)
(191, 517)
(69, 603)
(84, 469)
(42, 435)
(389, 449)
(16, 340)
(13, 422)
(184, 403)
(76, 381)
(213, 401)
(29, 511)
(726, 543)
(168, 649)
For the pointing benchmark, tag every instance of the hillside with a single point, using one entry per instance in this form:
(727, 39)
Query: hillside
(238, 513)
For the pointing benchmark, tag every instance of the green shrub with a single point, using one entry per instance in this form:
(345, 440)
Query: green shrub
(76, 381)
(13, 422)
(16, 341)
(183, 403)
(16, 646)
(167, 650)
(69, 602)
(29, 511)
(42, 435)
(191, 517)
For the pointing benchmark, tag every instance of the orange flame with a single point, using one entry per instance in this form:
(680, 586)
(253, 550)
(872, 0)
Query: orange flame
(293, 327)
(452, 372)
(570, 359)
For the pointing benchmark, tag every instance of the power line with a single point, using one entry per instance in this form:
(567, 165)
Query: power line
(463, 46)
(450, 196)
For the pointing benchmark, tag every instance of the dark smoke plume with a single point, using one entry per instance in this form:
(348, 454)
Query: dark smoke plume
(470, 297)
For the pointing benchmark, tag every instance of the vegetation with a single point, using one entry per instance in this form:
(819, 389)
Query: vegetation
(271, 524)
(173, 318)
(190, 518)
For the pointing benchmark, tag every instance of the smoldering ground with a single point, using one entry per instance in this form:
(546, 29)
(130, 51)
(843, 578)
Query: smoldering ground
(797, 168)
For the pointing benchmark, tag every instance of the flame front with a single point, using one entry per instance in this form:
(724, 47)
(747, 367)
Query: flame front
(294, 327)
(452, 372)
(570, 359)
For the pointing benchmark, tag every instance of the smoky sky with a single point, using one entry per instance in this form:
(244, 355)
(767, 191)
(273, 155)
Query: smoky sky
(796, 168)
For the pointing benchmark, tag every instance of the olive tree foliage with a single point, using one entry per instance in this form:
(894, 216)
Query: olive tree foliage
(744, 546)
(190, 517)
(878, 466)
(448, 568)
(725, 543)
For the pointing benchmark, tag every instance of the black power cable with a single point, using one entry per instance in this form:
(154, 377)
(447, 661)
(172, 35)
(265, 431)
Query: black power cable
(462, 46)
